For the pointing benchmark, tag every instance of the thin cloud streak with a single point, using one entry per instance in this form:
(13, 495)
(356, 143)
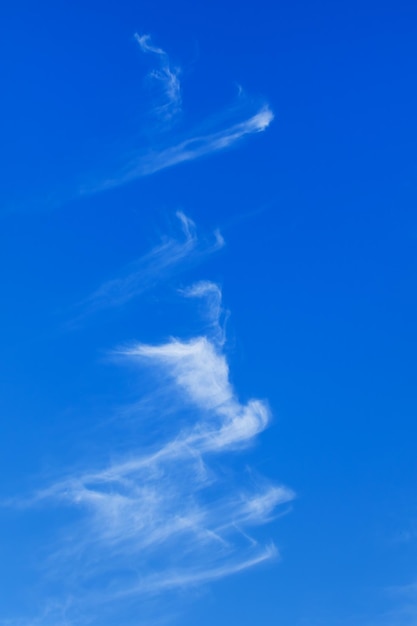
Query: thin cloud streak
(167, 516)
(197, 577)
(180, 511)
(217, 317)
(192, 148)
(199, 146)
(166, 76)
(155, 267)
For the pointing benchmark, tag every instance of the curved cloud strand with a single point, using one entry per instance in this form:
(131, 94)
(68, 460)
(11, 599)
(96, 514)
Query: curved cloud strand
(157, 265)
(195, 146)
(166, 76)
(166, 517)
(199, 146)
(169, 150)
(177, 508)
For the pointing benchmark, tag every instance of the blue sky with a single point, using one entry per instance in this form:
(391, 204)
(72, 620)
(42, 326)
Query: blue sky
(208, 251)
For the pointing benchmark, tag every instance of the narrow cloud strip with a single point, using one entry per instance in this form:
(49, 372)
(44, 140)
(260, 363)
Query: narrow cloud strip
(170, 517)
(199, 146)
(166, 76)
(169, 151)
(194, 147)
(158, 265)
(215, 314)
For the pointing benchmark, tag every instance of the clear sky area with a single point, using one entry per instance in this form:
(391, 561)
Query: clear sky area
(208, 237)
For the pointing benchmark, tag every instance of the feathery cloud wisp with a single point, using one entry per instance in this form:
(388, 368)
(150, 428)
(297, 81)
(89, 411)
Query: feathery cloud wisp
(199, 146)
(215, 314)
(157, 265)
(168, 517)
(188, 146)
(190, 149)
(166, 76)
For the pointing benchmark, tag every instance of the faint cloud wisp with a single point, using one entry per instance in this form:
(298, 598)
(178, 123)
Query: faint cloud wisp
(170, 517)
(166, 76)
(181, 510)
(195, 146)
(155, 267)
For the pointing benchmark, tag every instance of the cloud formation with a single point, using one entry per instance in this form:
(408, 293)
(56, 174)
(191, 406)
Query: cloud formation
(214, 312)
(195, 146)
(166, 76)
(158, 265)
(179, 510)
(170, 149)
(170, 517)
(199, 146)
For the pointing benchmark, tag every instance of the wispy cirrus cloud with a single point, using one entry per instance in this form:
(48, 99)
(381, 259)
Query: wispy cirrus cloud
(221, 132)
(166, 76)
(169, 516)
(216, 316)
(194, 146)
(180, 510)
(156, 266)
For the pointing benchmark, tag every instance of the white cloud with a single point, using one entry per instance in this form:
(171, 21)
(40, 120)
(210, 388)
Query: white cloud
(166, 518)
(201, 375)
(198, 576)
(154, 267)
(199, 146)
(190, 149)
(212, 297)
(166, 75)
(188, 146)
